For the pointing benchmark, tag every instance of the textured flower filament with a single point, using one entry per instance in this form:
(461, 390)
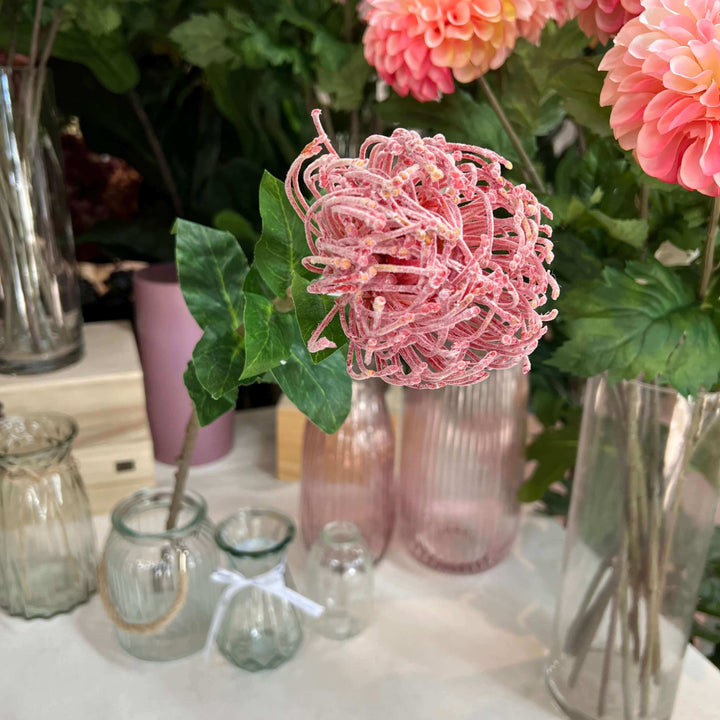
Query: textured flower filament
(435, 262)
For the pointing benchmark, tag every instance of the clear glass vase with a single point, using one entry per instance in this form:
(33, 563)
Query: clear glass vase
(462, 462)
(259, 631)
(47, 540)
(340, 578)
(641, 519)
(40, 315)
(156, 582)
(349, 475)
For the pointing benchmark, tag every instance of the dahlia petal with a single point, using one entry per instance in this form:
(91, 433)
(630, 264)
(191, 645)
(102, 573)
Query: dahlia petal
(691, 174)
(711, 97)
(434, 35)
(680, 113)
(415, 55)
(710, 158)
(658, 154)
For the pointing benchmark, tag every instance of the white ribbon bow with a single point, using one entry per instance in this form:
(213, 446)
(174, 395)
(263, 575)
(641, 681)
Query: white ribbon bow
(272, 581)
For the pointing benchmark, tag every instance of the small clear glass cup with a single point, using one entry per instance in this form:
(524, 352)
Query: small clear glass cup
(340, 577)
(259, 631)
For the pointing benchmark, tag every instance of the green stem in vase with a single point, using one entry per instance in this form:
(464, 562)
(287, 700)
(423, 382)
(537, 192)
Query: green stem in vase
(528, 166)
(708, 255)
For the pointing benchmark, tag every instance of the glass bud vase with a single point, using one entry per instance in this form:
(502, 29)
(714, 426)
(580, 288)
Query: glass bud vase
(259, 631)
(340, 578)
(155, 583)
(47, 540)
(40, 316)
(349, 475)
(462, 462)
(641, 519)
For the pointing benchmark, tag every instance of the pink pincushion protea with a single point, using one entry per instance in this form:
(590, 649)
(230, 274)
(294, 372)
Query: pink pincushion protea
(435, 261)
(601, 19)
(663, 83)
(417, 46)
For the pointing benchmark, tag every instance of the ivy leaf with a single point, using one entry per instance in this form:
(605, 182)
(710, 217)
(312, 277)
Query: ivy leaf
(208, 408)
(282, 245)
(219, 358)
(107, 56)
(322, 392)
(555, 450)
(579, 82)
(202, 39)
(211, 270)
(643, 320)
(346, 85)
(311, 310)
(268, 335)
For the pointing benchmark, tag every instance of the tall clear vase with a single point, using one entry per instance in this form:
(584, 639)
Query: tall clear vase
(40, 315)
(349, 475)
(641, 520)
(461, 465)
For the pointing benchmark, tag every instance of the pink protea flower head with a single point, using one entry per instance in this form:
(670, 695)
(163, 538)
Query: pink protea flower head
(435, 261)
(663, 84)
(418, 46)
(601, 19)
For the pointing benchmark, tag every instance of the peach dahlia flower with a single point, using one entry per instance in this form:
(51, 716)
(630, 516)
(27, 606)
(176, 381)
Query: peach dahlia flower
(663, 83)
(419, 46)
(602, 19)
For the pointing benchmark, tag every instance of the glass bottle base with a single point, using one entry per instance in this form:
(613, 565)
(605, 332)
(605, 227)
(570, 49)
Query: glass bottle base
(47, 362)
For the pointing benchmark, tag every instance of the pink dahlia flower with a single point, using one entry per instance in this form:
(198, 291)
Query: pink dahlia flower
(545, 10)
(662, 83)
(418, 46)
(434, 260)
(601, 19)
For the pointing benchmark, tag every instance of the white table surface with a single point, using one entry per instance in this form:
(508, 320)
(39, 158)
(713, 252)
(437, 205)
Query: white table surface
(441, 647)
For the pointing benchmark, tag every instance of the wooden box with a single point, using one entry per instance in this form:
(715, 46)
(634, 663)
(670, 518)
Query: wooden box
(104, 393)
(290, 426)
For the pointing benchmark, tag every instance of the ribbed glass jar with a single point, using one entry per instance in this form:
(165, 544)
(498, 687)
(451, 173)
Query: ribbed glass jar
(641, 519)
(142, 568)
(259, 630)
(461, 465)
(349, 475)
(47, 540)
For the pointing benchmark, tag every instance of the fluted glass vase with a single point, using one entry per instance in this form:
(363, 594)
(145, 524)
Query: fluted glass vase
(461, 465)
(349, 475)
(641, 519)
(40, 316)
(47, 540)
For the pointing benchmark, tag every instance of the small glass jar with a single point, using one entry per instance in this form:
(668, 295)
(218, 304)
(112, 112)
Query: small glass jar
(47, 540)
(156, 582)
(340, 578)
(259, 631)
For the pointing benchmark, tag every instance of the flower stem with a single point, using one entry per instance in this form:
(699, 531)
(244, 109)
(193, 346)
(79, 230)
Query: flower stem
(707, 266)
(183, 468)
(528, 165)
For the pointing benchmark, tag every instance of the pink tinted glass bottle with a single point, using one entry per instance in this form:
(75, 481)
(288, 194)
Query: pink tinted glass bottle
(461, 465)
(349, 475)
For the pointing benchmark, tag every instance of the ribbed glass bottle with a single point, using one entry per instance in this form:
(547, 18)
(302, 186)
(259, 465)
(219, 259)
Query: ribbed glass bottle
(461, 464)
(349, 475)
(142, 567)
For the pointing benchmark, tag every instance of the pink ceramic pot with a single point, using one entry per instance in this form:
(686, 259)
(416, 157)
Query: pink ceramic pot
(167, 334)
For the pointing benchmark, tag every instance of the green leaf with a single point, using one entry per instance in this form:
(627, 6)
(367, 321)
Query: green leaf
(282, 245)
(555, 450)
(579, 83)
(322, 392)
(311, 310)
(211, 270)
(457, 116)
(219, 358)
(107, 56)
(346, 85)
(202, 39)
(268, 335)
(256, 285)
(208, 408)
(642, 320)
(233, 222)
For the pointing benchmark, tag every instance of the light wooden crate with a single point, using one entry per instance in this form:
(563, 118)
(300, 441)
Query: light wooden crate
(290, 426)
(105, 395)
